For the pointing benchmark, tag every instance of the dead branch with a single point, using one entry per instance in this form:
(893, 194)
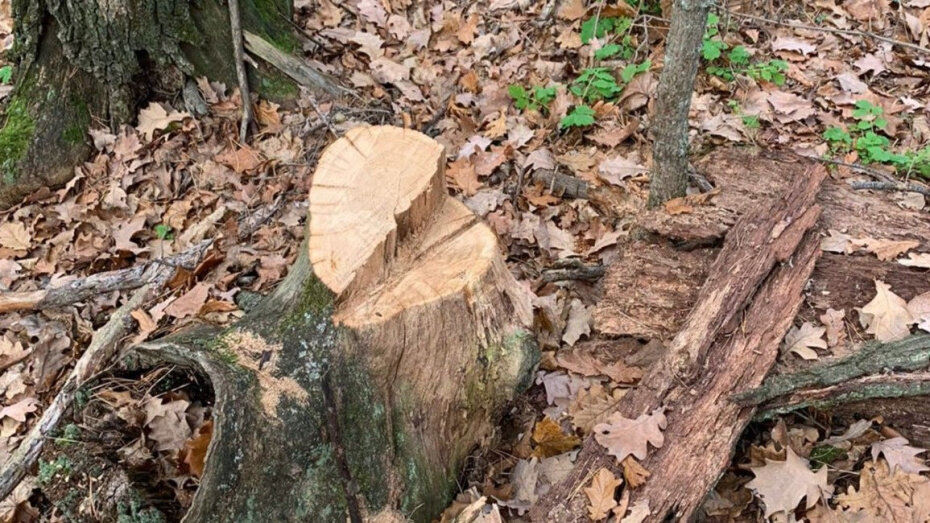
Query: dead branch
(292, 67)
(573, 270)
(103, 347)
(241, 76)
(154, 271)
(891, 186)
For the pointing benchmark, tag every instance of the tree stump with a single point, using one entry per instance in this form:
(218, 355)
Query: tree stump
(384, 357)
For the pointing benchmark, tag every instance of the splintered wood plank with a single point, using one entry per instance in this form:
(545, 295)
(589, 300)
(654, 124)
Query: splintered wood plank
(730, 339)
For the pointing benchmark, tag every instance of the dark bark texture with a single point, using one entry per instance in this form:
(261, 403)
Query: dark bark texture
(81, 62)
(673, 101)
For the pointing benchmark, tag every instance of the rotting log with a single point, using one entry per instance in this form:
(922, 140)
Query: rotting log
(359, 387)
(650, 290)
(728, 342)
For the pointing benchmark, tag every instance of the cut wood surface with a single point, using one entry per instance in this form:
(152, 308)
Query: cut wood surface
(381, 360)
(728, 342)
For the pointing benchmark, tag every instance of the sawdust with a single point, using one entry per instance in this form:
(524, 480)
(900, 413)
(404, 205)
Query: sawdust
(258, 354)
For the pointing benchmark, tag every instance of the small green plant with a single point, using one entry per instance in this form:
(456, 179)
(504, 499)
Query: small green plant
(751, 121)
(163, 231)
(864, 135)
(579, 116)
(6, 74)
(712, 47)
(49, 469)
(533, 99)
(630, 71)
(772, 71)
(595, 83)
(596, 27)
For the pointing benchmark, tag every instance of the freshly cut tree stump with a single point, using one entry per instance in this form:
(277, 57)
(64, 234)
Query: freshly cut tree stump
(360, 386)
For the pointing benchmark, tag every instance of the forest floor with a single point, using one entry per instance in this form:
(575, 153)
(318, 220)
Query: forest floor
(511, 88)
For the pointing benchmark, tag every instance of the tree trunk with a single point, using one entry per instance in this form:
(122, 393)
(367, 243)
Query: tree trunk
(384, 357)
(673, 101)
(80, 62)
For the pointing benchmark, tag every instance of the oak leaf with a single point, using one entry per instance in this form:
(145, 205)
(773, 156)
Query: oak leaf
(156, 118)
(900, 455)
(886, 317)
(624, 437)
(781, 485)
(593, 406)
(887, 496)
(194, 452)
(802, 341)
(18, 410)
(189, 303)
(601, 494)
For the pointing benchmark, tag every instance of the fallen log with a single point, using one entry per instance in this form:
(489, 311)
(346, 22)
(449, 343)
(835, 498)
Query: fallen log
(358, 388)
(728, 343)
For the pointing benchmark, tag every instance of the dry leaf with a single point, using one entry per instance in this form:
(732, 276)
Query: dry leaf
(634, 473)
(601, 494)
(579, 322)
(13, 235)
(833, 321)
(678, 206)
(802, 341)
(550, 440)
(623, 437)
(886, 316)
(593, 406)
(189, 303)
(781, 485)
(638, 512)
(915, 259)
(194, 452)
(886, 249)
(463, 175)
(887, 496)
(900, 455)
(18, 410)
(155, 118)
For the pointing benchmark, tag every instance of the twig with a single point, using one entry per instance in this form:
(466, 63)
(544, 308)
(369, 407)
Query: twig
(848, 32)
(891, 186)
(294, 68)
(874, 173)
(573, 270)
(157, 270)
(103, 346)
(562, 185)
(239, 56)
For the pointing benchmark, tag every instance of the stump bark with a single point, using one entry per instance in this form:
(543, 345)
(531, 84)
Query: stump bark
(362, 383)
(81, 62)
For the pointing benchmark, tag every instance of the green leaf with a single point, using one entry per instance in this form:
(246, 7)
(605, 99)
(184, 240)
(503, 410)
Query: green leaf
(607, 51)
(837, 135)
(738, 56)
(544, 95)
(712, 49)
(520, 98)
(580, 116)
(162, 231)
(751, 121)
(6, 74)
(632, 70)
(596, 28)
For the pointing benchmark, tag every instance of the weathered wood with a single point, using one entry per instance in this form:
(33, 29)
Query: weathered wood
(729, 340)
(873, 362)
(359, 387)
(648, 293)
(748, 178)
(292, 67)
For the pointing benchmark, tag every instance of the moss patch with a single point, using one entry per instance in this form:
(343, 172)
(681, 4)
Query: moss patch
(74, 133)
(15, 136)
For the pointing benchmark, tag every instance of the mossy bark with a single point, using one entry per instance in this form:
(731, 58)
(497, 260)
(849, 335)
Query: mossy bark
(336, 442)
(84, 61)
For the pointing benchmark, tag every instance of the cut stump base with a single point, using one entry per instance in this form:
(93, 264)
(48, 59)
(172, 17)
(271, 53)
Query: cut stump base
(359, 387)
